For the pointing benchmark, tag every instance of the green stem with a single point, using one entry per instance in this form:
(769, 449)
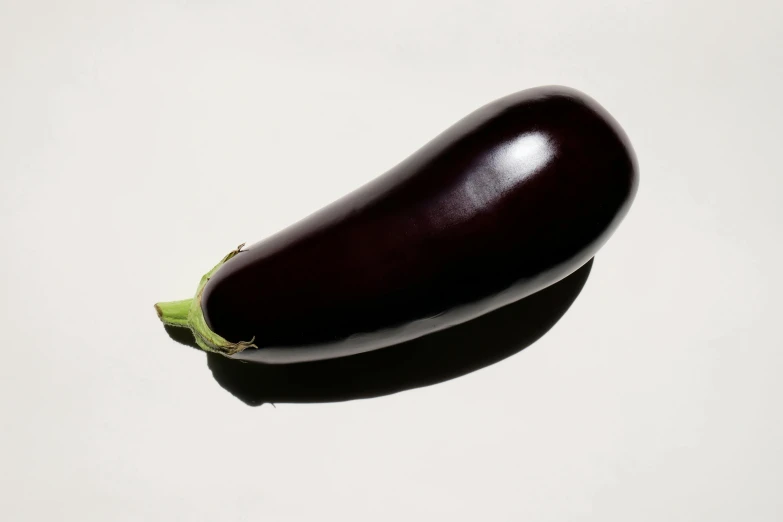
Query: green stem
(188, 313)
(174, 313)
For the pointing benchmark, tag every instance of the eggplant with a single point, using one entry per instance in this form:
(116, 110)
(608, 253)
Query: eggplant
(509, 200)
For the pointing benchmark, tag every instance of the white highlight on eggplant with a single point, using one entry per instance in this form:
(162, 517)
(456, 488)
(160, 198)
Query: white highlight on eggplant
(504, 170)
(523, 157)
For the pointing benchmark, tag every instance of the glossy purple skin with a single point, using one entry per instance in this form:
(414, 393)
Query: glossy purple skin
(511, 199)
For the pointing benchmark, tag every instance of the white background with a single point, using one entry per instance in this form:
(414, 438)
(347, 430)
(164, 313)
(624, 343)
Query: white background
(140, 141)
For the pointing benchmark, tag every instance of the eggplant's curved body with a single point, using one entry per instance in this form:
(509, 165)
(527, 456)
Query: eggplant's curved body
(509, 200)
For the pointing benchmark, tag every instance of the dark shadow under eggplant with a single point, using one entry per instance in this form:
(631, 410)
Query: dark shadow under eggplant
(432, 359)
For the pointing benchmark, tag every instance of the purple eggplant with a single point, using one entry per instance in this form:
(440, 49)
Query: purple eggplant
(511, 199)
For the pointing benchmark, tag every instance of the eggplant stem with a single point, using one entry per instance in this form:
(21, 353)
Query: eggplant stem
(187, 313)
(174, 313)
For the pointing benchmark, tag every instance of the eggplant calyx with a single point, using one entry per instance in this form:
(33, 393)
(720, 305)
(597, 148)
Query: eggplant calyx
(188, 314)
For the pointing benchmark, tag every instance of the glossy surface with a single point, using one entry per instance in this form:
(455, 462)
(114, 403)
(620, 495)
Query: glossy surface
(507, 201)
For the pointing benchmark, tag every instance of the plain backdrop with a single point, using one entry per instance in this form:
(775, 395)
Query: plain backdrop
(141, 141)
